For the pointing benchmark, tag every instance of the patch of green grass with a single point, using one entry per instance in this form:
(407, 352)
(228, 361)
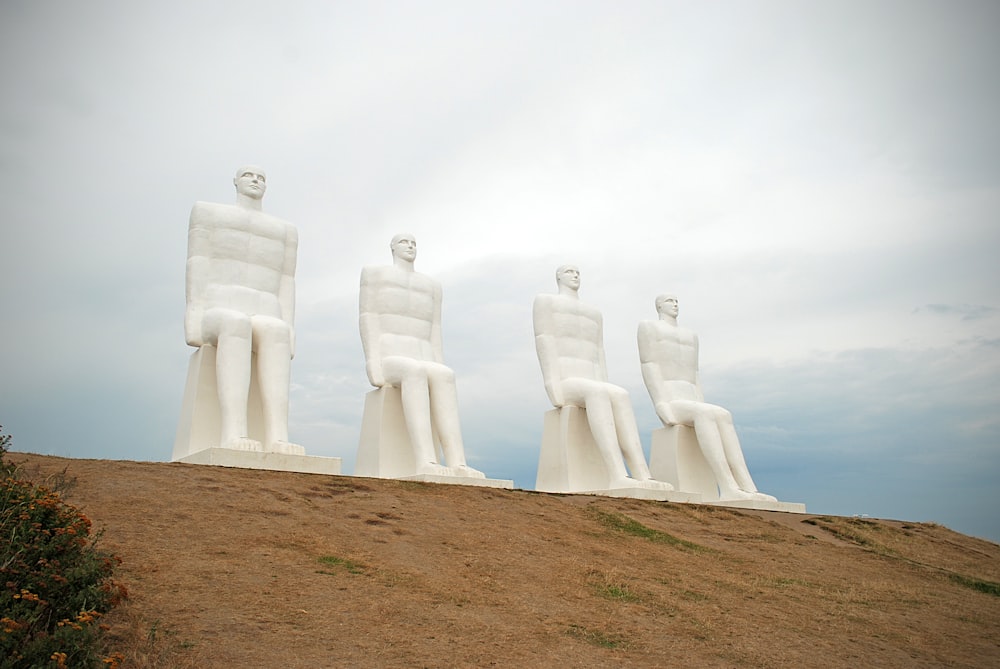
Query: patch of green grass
(619, 522)
(350, 566)
(597, 637)
(988, 587)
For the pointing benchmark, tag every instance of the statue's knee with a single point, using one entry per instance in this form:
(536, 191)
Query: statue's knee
(272, 330)
(617, 395)
(442, 374)
(226, 323)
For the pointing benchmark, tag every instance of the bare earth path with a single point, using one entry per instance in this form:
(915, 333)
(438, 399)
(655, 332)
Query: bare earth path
(242, 568)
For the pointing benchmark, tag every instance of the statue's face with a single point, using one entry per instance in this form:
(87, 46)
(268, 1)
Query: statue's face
(250, 182)
(569, 276)
(668, 305)
(405, 247)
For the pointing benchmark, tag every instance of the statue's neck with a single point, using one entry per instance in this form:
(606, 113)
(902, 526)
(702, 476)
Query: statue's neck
(571, 293)
(402, 263)
(245, 202)
(668, 319)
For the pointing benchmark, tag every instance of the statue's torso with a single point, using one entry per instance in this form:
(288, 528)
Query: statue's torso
(675, 351)
(244, 254)
(404, 304)
(576, 330)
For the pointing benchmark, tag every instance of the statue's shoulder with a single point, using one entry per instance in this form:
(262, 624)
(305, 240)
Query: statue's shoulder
(209, 210)
(544, 302)
(379, 274)
(372, 272)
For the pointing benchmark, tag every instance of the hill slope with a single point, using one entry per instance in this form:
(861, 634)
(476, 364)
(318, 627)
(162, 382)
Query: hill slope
(242, 568)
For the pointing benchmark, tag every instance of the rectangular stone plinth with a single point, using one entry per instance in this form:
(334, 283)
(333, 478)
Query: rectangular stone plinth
(760, 505)
(646, 493)
(459, 480)
(278, 462)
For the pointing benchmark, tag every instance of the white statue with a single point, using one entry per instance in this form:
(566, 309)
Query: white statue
(669, 357)
(401, 336)
(241, 300)
(569, 340)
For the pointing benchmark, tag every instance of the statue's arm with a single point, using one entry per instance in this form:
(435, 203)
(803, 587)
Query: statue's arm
(602, 363)
(286, 292)
(437, 345)
(652, 374)
(196, 275)
(370, 329)
(548, 353)
(697, 369)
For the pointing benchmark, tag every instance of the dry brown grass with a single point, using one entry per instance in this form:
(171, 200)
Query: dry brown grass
(239, 568)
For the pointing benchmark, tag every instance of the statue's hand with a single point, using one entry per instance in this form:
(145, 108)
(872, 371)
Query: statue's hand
(375, 375)
(192, 328)
(666, 414)
(555, 395)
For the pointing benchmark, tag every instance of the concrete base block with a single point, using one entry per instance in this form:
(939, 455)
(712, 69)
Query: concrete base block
(385, 450)
(460, 480)
(279, 462)
(200, 426)
(569, 461)
(675, 457)
(761, 505)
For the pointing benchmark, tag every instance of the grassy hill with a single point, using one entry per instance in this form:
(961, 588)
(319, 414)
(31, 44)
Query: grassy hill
(243, 568)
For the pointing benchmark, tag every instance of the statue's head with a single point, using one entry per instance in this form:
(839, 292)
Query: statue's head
(569, 276)
(667, 304)
(404, 245)
(250, 182)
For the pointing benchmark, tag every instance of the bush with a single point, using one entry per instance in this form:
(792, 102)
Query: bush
(56, 584)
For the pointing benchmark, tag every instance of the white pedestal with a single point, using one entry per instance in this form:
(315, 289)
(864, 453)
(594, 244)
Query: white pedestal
(385, 450)
(676, 457)
(570, 462)
(199, 427)
(280, 462)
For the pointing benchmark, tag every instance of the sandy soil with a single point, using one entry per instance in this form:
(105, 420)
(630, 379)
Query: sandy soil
(242, 568)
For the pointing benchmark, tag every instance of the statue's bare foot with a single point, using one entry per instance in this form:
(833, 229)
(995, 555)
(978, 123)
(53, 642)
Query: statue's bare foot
(468, 472)
(763, 497)
(286, 447)
(646, 484)
(243, 444)
(434, 469)
(737, 495)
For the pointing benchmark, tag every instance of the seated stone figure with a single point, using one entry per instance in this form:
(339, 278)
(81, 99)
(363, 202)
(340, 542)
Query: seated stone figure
(669, 357)
(400, 324)
(569, 340)
(240, 311)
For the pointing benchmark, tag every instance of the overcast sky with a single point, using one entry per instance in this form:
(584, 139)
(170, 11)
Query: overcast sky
(818, 182)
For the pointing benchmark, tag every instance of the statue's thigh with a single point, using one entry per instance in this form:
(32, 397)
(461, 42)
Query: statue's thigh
(220, 322)
(397, 369)
(579, 392)
(268, 329)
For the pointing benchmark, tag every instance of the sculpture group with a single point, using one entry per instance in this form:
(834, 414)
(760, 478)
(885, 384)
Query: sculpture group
(240, 316)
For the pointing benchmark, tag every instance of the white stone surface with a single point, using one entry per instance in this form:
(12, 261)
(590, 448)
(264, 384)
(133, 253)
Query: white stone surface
(669, 357)
(675, 457)
(400, 323)
(571, 463)
(569, 340)
(461, 480)
(280, 462)
(241, 305)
